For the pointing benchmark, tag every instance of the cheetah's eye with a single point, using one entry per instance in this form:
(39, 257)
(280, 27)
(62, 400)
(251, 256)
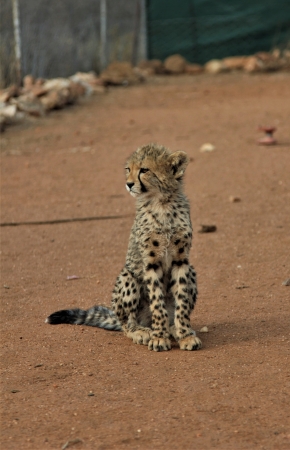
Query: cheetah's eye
(143, 170)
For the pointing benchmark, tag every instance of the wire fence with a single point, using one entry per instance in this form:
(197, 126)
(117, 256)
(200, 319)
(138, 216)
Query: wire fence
(201, 30)
(59, 38)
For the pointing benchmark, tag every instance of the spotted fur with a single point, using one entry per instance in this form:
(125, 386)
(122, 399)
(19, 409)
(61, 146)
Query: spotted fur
(156, 290)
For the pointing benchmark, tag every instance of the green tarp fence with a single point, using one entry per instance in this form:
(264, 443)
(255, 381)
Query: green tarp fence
(201, 30)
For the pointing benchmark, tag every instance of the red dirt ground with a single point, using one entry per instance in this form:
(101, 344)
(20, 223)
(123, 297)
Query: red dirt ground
(86, 388)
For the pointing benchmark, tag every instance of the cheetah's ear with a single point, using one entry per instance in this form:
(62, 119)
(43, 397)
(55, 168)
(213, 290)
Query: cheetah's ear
(178, 161)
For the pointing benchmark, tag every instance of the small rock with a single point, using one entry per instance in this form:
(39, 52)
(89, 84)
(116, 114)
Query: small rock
(71, 443)
(286, 282)
(270, 61)
(29, 104)
(253, 64)
(7, 94)
(235, 62)
(119, 73)
(175, 64)
(207, 229)
(9, 111)
(204, 330)
(91, 394)
(234, 199)
(215, 66)
(90, 82)
(51, 101)
(207, 147)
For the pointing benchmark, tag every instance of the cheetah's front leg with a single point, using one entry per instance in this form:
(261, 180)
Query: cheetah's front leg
(160, 323)
(183, 286)
(125, 302)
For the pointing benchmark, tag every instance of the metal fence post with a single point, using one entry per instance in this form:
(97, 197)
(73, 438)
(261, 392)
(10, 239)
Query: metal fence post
(17, 39)
(143, 31)
(136, 35)
(103, 34)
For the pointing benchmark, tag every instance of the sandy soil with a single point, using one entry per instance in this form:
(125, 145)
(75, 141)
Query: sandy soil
(86, 388)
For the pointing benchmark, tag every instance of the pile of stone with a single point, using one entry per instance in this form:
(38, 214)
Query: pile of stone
(260, 62)
(173, 65)
(38, 96)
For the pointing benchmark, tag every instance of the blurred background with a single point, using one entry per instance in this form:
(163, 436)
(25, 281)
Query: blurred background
(59, 38)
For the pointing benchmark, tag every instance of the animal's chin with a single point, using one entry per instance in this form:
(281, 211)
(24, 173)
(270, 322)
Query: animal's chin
(131, 192)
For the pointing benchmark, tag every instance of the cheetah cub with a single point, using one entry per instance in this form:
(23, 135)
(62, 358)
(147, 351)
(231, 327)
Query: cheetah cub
(156, 290)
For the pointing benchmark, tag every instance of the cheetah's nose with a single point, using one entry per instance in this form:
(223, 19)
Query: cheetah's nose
(130, 185)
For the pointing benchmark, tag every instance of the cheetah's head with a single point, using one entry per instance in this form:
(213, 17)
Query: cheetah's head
(152, 171)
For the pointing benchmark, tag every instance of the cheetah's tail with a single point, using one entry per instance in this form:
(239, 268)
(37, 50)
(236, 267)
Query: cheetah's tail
(97, 316)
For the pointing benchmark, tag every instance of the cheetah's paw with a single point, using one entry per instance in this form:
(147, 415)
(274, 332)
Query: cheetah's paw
(159, 344)
(190, 343)
(141, 337)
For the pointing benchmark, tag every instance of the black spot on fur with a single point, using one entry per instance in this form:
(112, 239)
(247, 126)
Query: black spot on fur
(152, 254)
(156, 243)
(152, 266)
(177, 263)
